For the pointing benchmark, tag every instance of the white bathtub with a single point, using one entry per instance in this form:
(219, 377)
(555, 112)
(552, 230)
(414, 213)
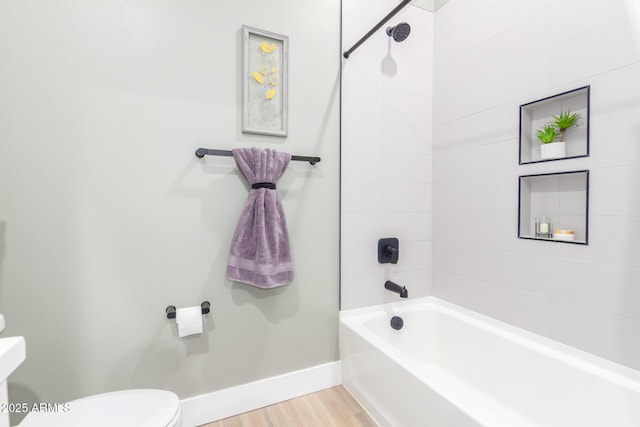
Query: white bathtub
(451, 367)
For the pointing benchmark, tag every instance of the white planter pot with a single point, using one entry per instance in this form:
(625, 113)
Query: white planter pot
(553, 150)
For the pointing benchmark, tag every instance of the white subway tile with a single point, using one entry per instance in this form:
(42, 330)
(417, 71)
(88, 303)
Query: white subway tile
(619, 288)
(407, 225)
(614, 240)
(459, 13)
(363, 98)
(362, 291)
(406, 197)
(364, 9)
(359, 195)
(407, 108)
(623, 200)
(440, 160)
(361, 131)
(473, 129)
(438, 288)
(604, 334)
(362, 70)
(363, 163)
(577, 282)
(613, 142)
(520, 270)
(508, 305)
(359, 259)
(361, 227)
(408, 78)
(459, 227)
(595, 286)
(405, 137)
(590, 54)
(614, 94)
(471, 259)
(414, 255)
(405, 167)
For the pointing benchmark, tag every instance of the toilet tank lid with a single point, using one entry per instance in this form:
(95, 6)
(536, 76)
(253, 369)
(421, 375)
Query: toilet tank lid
(135, 408)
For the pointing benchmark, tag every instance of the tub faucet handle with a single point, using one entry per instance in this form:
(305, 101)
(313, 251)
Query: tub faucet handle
(388, 250)
(392, 253)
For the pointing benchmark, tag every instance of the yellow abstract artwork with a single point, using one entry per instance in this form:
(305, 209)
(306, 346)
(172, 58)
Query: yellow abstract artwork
(264, 86)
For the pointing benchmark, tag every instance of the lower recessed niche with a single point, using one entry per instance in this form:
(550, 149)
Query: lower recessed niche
(554, 207)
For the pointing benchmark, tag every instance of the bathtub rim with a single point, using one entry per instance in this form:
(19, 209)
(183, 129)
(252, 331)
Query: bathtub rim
(609, 370)
(476, 405)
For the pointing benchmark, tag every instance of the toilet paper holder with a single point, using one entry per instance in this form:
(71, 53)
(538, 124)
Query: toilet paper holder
(171, 309)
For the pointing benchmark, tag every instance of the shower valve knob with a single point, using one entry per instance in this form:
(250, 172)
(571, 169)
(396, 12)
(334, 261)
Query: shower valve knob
(388, 250)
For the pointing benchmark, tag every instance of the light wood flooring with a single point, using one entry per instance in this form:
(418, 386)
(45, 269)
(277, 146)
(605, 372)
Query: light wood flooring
(333, 407)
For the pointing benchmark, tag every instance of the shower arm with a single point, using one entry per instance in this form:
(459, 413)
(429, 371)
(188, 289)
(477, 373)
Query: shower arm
(390, 15)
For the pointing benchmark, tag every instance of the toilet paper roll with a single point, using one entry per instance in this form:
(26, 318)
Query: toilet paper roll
(189, 320)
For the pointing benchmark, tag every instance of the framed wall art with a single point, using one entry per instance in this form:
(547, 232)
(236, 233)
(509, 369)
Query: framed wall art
(264, 82)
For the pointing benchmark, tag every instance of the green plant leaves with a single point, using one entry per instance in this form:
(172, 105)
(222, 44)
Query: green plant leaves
(548, 133)
(565, 120)
(557, 128)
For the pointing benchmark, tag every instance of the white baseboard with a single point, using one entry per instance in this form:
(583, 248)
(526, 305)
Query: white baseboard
(232, 401)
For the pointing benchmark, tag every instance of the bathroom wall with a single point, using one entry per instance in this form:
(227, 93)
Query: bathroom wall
(107, 217)
(490, 57)
(386, 152)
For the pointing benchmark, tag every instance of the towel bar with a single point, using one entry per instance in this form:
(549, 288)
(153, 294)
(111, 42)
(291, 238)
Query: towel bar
(201, 152)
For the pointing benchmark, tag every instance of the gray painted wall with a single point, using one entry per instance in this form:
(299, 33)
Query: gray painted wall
(107, 217)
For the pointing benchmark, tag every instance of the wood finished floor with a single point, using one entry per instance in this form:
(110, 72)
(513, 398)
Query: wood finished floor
(333, 407)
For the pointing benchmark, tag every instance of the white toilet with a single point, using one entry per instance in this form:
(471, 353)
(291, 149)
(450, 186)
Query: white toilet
(126, 408)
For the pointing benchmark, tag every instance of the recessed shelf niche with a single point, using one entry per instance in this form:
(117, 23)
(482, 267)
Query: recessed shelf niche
(562, 199)
(536, 114)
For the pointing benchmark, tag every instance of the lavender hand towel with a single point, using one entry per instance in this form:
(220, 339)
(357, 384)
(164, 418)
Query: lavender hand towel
(260, 251)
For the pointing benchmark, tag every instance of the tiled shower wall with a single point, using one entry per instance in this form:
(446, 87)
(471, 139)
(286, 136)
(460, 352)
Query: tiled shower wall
(490, 57)
(386, 153)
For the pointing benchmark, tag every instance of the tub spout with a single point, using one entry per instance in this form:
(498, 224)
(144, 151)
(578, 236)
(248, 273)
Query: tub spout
(394, 287)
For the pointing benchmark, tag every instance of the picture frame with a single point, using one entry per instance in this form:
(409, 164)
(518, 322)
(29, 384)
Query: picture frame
(265, 63)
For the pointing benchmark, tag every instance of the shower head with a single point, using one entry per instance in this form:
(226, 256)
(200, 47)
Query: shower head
(400, 32)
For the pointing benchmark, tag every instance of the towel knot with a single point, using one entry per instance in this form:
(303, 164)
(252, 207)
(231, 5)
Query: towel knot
(269, 185)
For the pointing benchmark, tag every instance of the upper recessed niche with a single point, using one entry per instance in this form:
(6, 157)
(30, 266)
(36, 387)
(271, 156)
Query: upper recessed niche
(535, 115)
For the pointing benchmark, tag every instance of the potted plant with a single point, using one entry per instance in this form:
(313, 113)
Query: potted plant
(550, 149)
